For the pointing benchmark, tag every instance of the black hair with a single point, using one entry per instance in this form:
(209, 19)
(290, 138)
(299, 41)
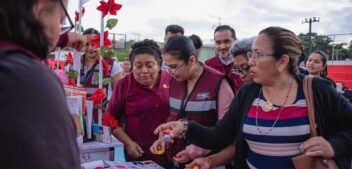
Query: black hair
(196, 41)
(226, 27)
(324, 58)
(91, 31)
(284, 42)
(20, 26)
(174, 29)
(146, 46)
(181, 47)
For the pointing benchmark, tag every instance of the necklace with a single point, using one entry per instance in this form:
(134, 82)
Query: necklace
(278, 116)
(268, 105)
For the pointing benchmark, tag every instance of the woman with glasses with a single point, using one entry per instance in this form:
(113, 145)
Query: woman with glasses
(268, 119)
(239, 50)
(140, 103)
(37, 130)
(197, 93)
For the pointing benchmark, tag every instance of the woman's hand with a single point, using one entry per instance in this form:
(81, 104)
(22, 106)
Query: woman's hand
(158, 147)
(202, 162)
(317, 147)
(182, 157)
(134, 150)
(177, 128)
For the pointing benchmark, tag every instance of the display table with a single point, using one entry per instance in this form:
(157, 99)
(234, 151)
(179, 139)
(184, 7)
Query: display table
(93, 151)
(121, 165)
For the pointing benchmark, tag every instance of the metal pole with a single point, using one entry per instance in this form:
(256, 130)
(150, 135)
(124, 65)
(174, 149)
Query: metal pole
(100, 112)
(80, 16)
(310, 35)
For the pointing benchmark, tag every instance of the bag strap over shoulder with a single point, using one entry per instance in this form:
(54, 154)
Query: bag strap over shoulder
(308, 93)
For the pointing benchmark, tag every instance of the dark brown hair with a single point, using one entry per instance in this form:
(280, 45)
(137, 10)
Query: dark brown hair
(19, 26)
(284, 42)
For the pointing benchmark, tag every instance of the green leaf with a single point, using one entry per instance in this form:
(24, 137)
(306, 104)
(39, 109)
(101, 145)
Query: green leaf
(111, 23)
(109, 54)
(82, 30)
(106, 81)
(72, 74)
(103, 49)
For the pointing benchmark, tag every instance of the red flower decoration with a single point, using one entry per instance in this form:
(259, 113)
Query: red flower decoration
(109, 121)
(109, 7)
(71, 82)
(69, 58)
(77, 14)
(97, 96)
(105, 67)
(96, 40)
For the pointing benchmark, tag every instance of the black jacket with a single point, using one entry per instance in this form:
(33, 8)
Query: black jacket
(37, 130)
(333, 116)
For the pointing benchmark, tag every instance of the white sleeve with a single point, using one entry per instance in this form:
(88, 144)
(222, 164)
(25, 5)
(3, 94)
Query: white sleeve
(116, 68)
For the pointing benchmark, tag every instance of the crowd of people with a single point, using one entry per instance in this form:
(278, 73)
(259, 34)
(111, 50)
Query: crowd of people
(243, 108)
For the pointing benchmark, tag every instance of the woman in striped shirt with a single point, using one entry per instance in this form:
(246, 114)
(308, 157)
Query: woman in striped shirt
(268, 119)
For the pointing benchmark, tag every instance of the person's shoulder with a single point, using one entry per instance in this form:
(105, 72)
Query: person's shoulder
(165, 76)
(213, 71)
(247, 88)
(211, 60)
(125, 80)
(322, 82)
(21, 67)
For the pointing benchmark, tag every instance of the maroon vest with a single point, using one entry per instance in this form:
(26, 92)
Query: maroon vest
(201, 106)
(216, 64)
(90, 79)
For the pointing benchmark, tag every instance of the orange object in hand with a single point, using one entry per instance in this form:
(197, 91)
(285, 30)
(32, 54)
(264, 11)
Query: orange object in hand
(160, 150)
(196, 167)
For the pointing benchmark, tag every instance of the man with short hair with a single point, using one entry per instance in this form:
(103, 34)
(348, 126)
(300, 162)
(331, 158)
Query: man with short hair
(224, 36)
(172, 30)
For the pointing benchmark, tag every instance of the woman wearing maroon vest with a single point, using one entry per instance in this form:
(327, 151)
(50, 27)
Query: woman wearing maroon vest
(90, 66)
(141, 98)
(194, 94)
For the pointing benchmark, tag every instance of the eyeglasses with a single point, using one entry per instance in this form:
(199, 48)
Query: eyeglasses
(174, 70)
(256, 55)
(241, 70)
(64, 27)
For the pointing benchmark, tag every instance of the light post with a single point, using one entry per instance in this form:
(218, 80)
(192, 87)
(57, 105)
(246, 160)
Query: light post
(310, 21)
(218, 18)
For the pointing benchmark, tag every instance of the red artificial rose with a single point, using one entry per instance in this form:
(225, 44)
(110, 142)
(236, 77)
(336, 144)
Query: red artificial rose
(69, 58)
(77, 14)
(109, 7)
(98, 96)
(109, 121)
(96, 40)
(106, 68)
(71, 82)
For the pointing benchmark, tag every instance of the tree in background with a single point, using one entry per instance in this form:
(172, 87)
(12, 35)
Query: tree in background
(325, 43)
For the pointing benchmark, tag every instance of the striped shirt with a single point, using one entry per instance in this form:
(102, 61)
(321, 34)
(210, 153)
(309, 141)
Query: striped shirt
(274, 149)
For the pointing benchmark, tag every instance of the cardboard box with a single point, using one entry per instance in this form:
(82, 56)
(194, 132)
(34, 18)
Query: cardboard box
(93, 151)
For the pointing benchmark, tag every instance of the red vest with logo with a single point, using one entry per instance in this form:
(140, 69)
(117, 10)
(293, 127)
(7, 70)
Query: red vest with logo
(90, 79)
(216, 64)
(201, 105)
